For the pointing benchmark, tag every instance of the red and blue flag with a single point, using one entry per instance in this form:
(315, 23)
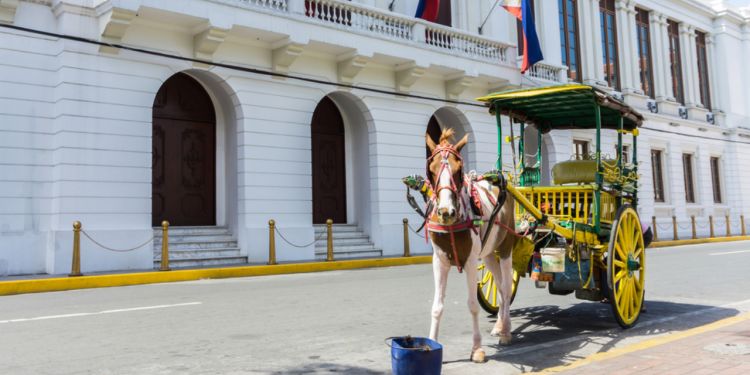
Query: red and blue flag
(428, 10)
(522, 10)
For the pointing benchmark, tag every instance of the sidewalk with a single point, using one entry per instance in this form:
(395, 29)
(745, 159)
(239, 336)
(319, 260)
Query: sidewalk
(722, 347)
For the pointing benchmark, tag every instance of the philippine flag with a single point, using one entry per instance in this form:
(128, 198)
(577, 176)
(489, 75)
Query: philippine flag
(428, 10)
(522, 10)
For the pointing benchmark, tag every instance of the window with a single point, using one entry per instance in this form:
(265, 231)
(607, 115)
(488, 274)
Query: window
(687, 171)
(609, 43)
(581, 149)
(571, 53)
(643, 29)
(657, 175)
(716, 179)
(675, 61)
(519, 31)
(700, 44)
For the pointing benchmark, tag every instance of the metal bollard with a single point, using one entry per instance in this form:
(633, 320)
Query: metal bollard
(653, 228)
(729, 228)
(75, 269)
(711, 226)
(406, 238)
(164, 246)
(692, 222)
(674, 228)
(329, 227)
(271, 242)
(742, 223)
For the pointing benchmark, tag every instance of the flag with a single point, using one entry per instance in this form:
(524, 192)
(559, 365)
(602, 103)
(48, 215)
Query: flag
(428, 10)
(522, 10)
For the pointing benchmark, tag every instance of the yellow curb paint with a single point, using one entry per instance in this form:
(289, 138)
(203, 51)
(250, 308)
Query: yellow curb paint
(598, 357)
(103, 281)
(698, 241)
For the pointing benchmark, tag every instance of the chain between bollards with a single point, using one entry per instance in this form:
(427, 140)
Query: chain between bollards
(164, 246)
(329, 245)
(692, 223)
(407, 252)
(75, 269)
(271, 242)
(711, 225)
(674, 227)
(653, 227)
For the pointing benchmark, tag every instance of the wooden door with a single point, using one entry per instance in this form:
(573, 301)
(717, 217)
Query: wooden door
(328, 164)
(184, 154)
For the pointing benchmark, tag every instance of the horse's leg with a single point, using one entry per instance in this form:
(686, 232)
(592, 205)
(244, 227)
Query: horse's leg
(440, 273)
(502, 325)
(477, 353)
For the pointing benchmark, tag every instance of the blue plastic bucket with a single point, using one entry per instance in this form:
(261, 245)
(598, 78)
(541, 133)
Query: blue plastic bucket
(415, 355)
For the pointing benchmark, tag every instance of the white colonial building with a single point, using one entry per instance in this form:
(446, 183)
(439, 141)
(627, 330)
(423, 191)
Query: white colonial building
(219, 115)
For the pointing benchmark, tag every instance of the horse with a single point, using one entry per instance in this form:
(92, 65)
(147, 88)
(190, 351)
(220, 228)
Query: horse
(457, 241)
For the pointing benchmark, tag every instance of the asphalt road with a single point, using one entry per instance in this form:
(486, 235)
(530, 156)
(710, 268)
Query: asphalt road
(337, 321)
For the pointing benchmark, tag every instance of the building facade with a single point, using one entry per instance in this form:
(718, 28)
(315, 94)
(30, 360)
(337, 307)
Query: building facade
(220, 115)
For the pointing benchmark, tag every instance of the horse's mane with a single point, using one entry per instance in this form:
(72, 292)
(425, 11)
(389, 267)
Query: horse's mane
(447, 136)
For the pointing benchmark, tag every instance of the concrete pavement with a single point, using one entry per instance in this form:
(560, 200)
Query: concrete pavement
(337, 321)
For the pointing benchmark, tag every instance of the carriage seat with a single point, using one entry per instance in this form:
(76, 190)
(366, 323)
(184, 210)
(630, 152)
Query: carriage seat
(574, 172)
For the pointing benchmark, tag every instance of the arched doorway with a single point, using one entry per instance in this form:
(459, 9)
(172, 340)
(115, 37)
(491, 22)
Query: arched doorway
(448, 117)
(184, 154)
(328, 163)
(434, 131)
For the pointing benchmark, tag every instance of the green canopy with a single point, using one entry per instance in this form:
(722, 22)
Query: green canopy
(569, 106)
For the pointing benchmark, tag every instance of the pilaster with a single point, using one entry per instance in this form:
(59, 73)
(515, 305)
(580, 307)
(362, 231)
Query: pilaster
(689, 65)
(624, 36)
(591, 41)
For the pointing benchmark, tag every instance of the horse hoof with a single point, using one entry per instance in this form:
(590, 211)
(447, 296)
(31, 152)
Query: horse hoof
(477, 356)
(505, 339)
(495, 332)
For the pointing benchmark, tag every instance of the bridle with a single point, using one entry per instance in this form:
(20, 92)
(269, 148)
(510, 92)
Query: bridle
(444, 151)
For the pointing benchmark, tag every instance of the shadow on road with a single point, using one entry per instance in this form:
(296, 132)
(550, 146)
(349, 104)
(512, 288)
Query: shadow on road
(327, 368)
(549, 336)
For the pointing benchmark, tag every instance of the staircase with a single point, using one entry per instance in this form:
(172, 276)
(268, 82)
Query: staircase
(198, 247)
(348, 242)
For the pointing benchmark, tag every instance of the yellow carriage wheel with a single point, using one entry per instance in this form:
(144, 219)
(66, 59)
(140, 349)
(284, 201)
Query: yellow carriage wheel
(487, 293)
(626, 267)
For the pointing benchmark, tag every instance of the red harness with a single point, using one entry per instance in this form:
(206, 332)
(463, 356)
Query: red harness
(431, 226)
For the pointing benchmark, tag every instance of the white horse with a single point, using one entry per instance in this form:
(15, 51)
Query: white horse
(455, 242)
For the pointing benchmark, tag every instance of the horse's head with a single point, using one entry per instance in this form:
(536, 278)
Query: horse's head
(445, 173)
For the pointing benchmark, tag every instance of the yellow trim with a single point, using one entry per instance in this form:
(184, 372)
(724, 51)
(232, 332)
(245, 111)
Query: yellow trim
(533, 92)
(602, 356)
(698, 241)
(103, 281)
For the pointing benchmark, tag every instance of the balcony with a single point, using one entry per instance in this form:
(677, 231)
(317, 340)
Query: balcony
(378, 23)
(548, 74)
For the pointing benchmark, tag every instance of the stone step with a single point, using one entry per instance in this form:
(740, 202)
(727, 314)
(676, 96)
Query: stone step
(344, 241)
(200, 254)
(344, 235)
(181, 231)
(372, 253)
(195, 238)
(202, 245)
(337, 249)
(217, 261)
(340, 228)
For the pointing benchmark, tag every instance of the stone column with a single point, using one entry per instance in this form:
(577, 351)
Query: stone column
(662, 59)
(632, 41)
(591, 42)
(716, 94)
(628, 55)
(657, 59)
(689, 65)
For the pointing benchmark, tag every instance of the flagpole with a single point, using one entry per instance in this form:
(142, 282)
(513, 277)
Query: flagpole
(488, 16)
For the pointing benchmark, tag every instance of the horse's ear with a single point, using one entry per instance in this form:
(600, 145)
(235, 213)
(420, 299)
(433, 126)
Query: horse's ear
(462, 143)
(430, 143)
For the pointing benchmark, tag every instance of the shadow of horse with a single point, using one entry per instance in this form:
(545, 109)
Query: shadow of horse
(547, 336)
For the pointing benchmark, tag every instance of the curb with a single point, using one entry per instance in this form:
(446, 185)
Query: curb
(698, 241)
(153, 277)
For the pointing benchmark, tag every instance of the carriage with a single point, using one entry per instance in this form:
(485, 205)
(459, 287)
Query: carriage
(581, 232)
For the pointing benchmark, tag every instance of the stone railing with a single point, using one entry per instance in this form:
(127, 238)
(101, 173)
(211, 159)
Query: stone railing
(546, 72)
(384, 24)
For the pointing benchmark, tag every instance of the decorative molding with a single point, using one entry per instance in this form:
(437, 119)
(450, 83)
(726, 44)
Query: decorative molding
(456, 86)
(207, 42)
(113, 25)
(8, 10)
(405, 78)
(285, 55)
(349, 67)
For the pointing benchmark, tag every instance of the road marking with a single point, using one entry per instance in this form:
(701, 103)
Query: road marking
(598, 357)
(731, 252)
(74, 315)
